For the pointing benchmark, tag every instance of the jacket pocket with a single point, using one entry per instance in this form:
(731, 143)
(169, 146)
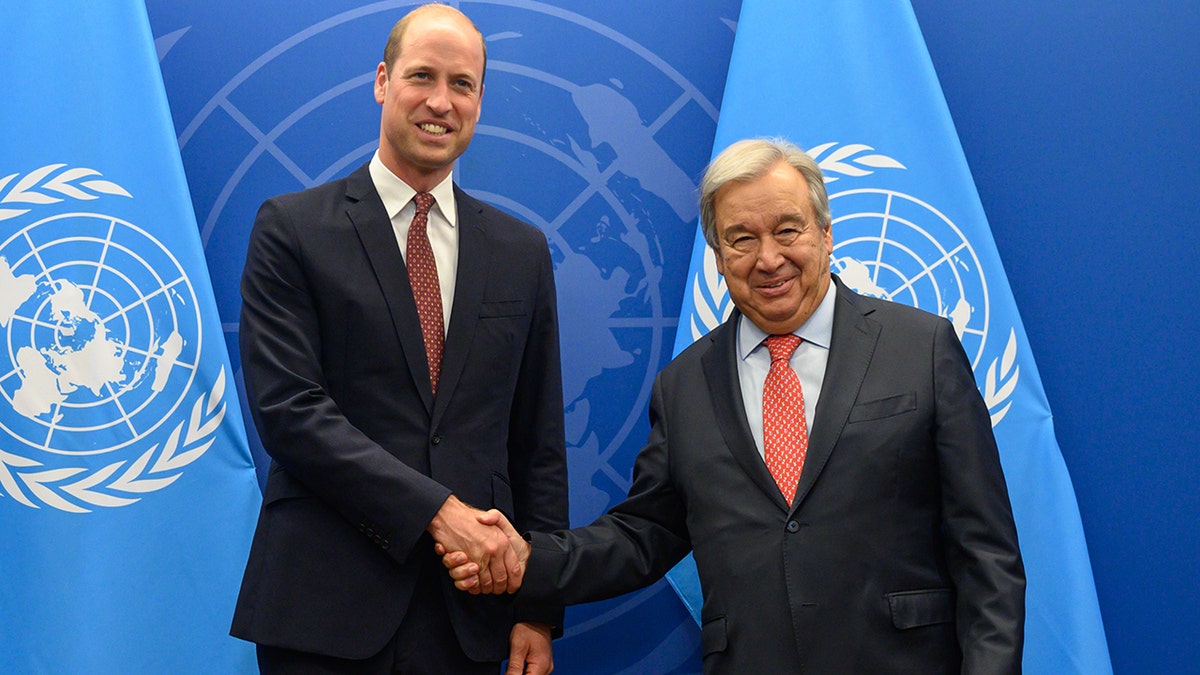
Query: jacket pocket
(280, 486)
(884, 407)
(502, 497)
(496, 309)
(713, 637)
(912, 609)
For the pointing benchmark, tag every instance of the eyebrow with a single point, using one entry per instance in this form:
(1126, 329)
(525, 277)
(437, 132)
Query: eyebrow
(792, 217)
(734, 228)
(423, 66)
(784, 218)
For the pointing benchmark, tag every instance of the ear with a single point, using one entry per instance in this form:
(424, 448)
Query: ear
(720, 261)
(381, 82)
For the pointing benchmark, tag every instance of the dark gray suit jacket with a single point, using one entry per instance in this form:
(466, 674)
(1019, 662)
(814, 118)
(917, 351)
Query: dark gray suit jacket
(900, 553)
(363, 454)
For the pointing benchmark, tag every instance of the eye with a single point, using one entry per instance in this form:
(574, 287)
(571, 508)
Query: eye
(741, 243)
(787, 235)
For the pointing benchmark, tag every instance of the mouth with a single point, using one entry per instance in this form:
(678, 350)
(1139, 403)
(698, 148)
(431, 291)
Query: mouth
(775, 286)
(435, 129)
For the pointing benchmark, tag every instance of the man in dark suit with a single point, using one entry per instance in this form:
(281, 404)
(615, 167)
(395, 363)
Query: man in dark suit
(400, 348)
(867, 531)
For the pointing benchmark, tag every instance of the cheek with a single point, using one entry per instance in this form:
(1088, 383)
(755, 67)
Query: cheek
(736, 269)
(468, 109)
(816, 257)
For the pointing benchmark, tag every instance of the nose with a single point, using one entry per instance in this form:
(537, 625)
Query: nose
(439, 99)
(770, 255)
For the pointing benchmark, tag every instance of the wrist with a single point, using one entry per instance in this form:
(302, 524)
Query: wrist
(525, 548)
(543, 628)
(440, 524)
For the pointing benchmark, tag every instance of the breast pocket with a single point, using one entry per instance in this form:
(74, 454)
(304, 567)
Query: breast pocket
(499, 309)
(883, 408)
(500, 335)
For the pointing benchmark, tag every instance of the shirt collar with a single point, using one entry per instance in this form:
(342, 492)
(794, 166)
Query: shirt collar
(396, 194)
(817, 330)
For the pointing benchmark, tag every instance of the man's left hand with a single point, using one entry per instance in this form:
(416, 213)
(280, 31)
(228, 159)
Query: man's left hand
(529, 650)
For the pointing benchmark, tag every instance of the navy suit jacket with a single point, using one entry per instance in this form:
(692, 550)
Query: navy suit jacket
(363, 453)
(899, 553)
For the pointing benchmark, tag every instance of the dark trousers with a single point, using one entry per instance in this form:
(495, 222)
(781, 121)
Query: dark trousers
(425, 644)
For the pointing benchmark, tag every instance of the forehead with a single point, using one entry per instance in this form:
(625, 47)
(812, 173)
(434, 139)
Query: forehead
(442, 36)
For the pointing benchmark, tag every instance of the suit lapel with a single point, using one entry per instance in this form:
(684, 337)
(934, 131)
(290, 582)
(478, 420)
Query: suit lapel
(474, 262)
(367, 213)
(851, 347)
(720, 370)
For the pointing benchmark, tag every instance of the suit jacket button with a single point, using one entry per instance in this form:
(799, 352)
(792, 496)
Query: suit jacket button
(793, 526)
(436, 439)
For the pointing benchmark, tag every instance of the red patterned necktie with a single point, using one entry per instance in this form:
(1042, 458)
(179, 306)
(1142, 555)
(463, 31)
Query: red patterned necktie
(422, 275)
(785, 432)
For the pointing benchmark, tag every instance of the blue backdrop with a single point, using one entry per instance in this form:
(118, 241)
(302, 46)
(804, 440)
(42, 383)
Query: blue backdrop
(1078, 125)
(1079, 121)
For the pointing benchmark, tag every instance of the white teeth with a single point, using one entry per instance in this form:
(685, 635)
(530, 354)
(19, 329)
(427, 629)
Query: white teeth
(433, 128)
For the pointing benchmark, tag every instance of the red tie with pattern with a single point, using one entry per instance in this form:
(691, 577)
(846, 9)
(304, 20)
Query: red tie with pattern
(785, 432)
(422, 275)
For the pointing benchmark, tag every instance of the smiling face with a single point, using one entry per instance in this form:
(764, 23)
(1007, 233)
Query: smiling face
(431, 96)
(771, 249)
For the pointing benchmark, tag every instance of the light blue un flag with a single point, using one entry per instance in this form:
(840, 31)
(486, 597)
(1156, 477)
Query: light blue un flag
(127, 492)
(852, 83)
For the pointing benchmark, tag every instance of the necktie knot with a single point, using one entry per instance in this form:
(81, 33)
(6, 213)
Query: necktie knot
(424, 202)
(782, 346)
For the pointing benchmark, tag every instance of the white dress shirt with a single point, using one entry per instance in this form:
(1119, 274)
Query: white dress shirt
(809, 360)
(442, 225)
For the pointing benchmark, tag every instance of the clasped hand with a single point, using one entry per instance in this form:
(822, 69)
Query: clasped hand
(481, 549)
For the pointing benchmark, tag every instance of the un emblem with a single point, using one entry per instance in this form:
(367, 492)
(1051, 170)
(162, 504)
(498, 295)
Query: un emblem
(102, 339)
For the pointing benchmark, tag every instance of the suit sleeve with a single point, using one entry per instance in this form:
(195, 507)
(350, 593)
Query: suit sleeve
(301, 426)
(536, 448)
(631, 546)
(981, 538)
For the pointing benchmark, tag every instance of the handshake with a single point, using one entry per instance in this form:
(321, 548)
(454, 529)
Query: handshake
(481, 549)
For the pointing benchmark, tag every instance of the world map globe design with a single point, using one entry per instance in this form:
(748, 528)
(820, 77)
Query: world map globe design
(894, 246)
(101, 329)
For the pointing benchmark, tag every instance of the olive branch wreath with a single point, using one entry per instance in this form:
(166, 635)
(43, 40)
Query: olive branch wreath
(40, 187)
(999, 385)
(23, 478)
